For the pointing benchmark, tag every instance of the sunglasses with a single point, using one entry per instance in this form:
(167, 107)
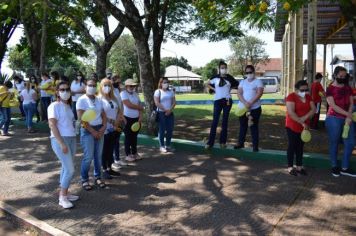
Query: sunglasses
(64, 89)
(303, 90)
(248, 72)
(107, 85)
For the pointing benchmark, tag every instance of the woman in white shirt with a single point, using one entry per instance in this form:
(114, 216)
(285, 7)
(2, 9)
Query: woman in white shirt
(91, 135)
(45, 96)
(165, 102)
(19, 86)
(221, 85)
(77, 88)
(63, 141)
(132, 113)
(249, 93)
(28, 98)
(113, 127)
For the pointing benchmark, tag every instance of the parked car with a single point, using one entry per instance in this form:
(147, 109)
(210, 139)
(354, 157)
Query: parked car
(270, 83)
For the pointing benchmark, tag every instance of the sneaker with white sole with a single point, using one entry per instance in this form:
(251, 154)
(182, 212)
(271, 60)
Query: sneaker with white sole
(169, 149)
(72, 198)
(65, 203)
(130, 158)
(347, 172)
(137, 156)
(162, 149)
(115, 166)
(122, 162)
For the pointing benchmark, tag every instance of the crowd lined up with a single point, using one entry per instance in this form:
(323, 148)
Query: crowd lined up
(64, 105)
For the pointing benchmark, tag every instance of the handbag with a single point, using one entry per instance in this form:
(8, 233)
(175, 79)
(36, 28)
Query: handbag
(155, 114)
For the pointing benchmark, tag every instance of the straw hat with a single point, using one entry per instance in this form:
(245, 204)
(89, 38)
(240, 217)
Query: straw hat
(130, 82)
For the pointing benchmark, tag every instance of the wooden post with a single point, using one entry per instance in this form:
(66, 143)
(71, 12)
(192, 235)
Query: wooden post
(312, 33)
(291, 53)
(298, 46)
(324, 66)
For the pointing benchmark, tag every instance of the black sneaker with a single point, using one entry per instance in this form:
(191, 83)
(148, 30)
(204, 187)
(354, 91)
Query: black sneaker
(348, 172)
(114, 173)
(335, 171)
(302, 172)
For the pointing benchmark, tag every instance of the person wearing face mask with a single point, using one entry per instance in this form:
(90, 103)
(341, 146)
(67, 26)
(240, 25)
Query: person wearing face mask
(91, 135)
(339, 114)
(118, 160)
(108, 73)
(28, 98)
(113, 128)
(249, 93)
(165, 102)
(45, 95)
(19, 86)
(132, 113)
(63, 141)
(300, 107)
(34, 86)
(317, 92)
(221, 85)
(77, 88)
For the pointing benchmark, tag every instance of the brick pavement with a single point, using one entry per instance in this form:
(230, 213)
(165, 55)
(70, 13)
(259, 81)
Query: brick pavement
(180, 194)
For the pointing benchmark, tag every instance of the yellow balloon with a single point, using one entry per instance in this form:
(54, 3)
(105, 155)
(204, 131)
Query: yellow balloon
(89, 115)
(241, 111)
(306, 136)
(135, 127)
(354, 116)
(46, 85)
(321, 94)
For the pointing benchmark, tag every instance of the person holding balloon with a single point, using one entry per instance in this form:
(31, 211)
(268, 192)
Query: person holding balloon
(113, 128)
(93, 119)
(45, 86)
(317, 92)
(300, 108)
(339, 123)
(133, 115)
(63, 141)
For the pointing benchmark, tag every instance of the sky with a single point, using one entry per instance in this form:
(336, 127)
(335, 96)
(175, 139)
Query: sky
(200, 52)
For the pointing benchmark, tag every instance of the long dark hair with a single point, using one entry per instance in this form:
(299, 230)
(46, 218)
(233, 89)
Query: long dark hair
(82, 80)
(57, 90)
(161, 81)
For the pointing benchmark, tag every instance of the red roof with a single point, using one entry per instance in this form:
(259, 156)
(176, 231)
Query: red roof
(273, 64)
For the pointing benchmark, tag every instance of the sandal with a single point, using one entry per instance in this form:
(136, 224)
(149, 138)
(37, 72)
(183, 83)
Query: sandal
(86, 186)
(100, 183)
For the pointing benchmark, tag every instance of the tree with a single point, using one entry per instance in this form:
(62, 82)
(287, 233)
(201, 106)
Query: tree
(123, 57)
(8, 23)
(168, 61)
(210, 69)
(247, 50)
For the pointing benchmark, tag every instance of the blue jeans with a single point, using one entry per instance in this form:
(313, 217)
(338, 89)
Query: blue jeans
(5, 119)
(45, 101)
(334, 126)
(255, 113)
(92, 149)
(66, 159)
(30, 110)
(220, 105)
(165, 125)
(117, 147)
(74, 109)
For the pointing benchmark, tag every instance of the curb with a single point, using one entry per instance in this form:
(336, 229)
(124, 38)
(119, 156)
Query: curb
(315, 160)
(29, 222)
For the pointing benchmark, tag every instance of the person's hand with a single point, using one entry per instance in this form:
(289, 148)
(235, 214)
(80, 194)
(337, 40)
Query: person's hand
(140, 108)
(168, 112)
(348, 120)
(349, 115)
(64, 148)
(305, 126)
(247, 105)
(304, 118)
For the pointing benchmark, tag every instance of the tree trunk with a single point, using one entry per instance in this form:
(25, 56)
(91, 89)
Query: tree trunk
(146, 75)
(156, 63)
(101, 56)
(5, 35)
(43, 42)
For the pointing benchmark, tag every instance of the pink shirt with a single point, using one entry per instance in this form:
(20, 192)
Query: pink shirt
(341, 97)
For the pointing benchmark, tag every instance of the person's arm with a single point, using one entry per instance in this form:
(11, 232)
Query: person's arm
(258, 95)
(311, 113)
(86, 124)
(34, 95)
(131, 105)
(338, 109)
(292, 114)
(52, 122)
(158, 102)
(240, 93)
(349, 118)
(102, 129)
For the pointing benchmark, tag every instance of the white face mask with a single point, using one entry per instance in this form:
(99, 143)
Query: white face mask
(91, 90)
(223, 71)
(301, 94)
(250, 76)
(165, 85)
(130, 90)
(64, 95)
(106, 89)
(79, 77)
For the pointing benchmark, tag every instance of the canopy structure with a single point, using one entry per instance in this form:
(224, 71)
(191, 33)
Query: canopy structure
(180, 74)
(321, 22)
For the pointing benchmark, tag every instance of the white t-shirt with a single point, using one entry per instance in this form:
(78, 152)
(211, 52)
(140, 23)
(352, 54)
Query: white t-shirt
(43, 92)
(166, 98)
(76, 87)
(27, 96)
(84, 103)
(111, 110)
(134, 99)
(249, 89)
(20, 86)
(118, 98)
(65, 118)
(221, 92)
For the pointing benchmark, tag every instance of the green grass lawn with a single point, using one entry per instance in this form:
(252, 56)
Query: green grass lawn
(206, 96)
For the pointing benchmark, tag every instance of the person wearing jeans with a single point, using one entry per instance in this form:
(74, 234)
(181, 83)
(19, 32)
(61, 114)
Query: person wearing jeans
(19, 86)
(28, 98)
(221, 85)
(5, 110)
(91, 135)
(339, 115)
(165, 102)
(132, 113)
(46, 85)
(63, 141)
(77, 88)
(317, 91)
(300, 107)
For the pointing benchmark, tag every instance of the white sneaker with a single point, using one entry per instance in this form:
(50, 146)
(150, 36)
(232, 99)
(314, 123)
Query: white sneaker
(115, 167)
(122, 162)
(64, 202)
(169, 149)
(130, 158)
(162, 149)
(138, 157)
(72, 198)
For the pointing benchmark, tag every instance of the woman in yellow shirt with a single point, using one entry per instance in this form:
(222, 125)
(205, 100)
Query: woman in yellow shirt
(5, 110)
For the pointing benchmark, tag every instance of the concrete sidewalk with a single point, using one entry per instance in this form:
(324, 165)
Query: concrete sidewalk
(178, 194)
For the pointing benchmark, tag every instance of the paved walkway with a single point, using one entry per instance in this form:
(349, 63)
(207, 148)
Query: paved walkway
(180, 194)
